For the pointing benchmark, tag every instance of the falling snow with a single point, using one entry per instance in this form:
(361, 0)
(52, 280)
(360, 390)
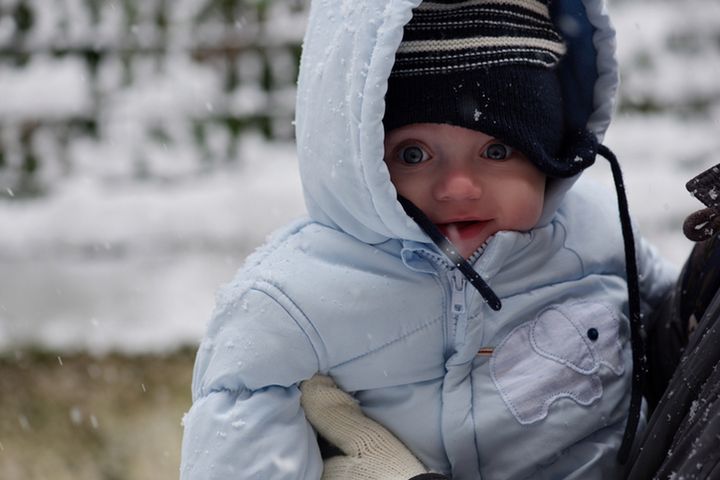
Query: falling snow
(138, 275)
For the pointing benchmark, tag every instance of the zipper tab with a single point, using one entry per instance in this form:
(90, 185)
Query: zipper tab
(458, 283)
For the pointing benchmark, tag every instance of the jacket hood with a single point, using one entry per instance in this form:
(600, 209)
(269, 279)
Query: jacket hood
(348, 54)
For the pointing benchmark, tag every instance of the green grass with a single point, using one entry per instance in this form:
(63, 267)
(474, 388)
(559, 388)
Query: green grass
(102, 418)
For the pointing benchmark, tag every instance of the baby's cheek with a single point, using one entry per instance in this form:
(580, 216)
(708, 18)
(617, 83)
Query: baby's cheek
(527, 216)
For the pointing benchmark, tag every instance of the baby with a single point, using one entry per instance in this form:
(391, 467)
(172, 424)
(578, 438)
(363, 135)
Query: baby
(454, 275)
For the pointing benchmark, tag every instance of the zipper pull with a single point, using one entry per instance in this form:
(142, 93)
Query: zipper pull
(458, 282)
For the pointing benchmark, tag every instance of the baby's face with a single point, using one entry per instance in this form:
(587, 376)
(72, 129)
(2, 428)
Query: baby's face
(469, 184)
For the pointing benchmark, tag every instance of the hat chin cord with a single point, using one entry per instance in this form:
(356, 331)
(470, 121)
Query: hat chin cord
(636, 330)
(637, 340)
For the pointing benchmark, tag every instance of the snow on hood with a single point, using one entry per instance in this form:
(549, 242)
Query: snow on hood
(348, 54)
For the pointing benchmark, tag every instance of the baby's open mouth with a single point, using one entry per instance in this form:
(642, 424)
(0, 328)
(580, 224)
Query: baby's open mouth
(462, 229)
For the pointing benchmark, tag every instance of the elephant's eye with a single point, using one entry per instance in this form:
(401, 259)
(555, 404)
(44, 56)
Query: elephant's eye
(593, 334)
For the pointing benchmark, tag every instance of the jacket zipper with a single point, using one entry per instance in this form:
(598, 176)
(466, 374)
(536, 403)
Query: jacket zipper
(458, 306)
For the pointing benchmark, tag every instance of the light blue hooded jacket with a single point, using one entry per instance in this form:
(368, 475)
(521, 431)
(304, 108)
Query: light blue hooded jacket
(539, 389)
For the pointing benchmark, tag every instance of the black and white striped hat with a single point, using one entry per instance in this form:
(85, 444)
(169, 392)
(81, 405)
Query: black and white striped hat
(491, 66)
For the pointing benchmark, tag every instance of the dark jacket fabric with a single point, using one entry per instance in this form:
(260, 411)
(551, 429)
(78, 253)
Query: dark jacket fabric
(682, 439)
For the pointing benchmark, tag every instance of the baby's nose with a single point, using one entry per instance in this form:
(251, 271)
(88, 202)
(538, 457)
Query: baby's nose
(458, 184)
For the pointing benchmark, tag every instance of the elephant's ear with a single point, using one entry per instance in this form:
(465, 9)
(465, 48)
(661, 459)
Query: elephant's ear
(605, 330)
(554, 335)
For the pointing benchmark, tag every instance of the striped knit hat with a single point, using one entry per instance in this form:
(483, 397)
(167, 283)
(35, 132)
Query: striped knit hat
(490, 66)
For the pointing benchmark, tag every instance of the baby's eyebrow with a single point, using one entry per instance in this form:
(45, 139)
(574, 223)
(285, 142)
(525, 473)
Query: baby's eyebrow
(494, 140)
(406, 140)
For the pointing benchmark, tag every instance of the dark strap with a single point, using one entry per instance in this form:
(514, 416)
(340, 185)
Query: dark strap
(450, 252)
(636, 332)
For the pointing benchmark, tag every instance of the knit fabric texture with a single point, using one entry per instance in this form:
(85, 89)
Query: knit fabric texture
(490, 66)
(371, 451)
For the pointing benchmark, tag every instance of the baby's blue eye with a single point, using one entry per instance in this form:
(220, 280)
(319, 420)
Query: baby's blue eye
(497, 151)
(413, 154)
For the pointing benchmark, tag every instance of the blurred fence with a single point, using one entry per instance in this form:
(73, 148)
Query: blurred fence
(130, 89)
(164, 90)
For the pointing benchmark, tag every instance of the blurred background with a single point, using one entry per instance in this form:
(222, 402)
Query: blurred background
(146, 149)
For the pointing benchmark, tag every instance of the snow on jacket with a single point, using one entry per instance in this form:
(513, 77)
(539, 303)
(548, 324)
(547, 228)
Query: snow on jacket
(539, 389)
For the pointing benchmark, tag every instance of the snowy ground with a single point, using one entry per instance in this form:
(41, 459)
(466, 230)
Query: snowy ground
(110, 265)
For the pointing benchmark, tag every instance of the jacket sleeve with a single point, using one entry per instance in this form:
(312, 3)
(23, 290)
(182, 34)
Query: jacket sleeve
(246, 420)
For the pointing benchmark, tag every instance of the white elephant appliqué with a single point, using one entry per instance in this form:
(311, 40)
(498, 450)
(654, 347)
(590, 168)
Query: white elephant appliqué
(557, 355)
